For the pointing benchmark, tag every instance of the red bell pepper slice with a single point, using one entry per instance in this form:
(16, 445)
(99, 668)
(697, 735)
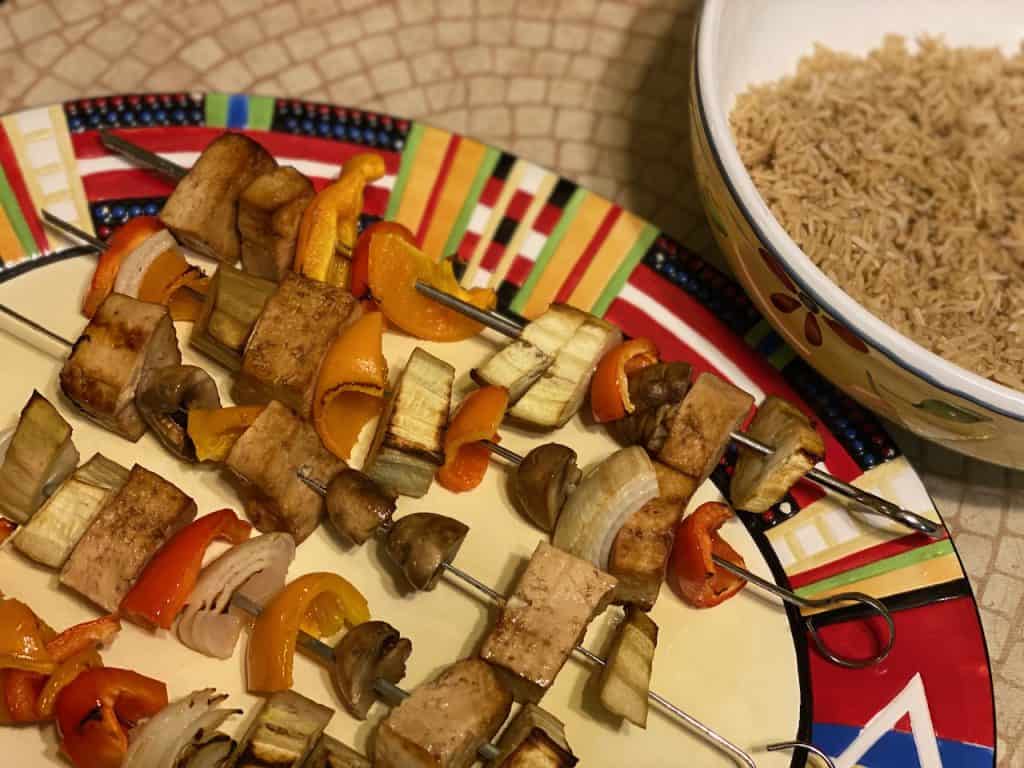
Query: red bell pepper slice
(95, 712)
(609, 387)
(694, 574)
(359, 280)
(123, 241)
(6, 529)
(165, 584)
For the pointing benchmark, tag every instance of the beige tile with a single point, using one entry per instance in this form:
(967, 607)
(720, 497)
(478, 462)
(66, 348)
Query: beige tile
(50, 90)
(607, 42)
(456, 120)
(32, 21)
(415, 11)
(513, 61)
(379, 18)
(80, 66)
(6, 37)
(655, 23)
(234, 8)
(1003, 593)
(377, 49)
(496, 7)
(306, 43)
(534, 121)
(432, 66)
(231, 76)
(240, 35)
(981, 512)
(526, 90)
(202, 53)
(586, 67)
(571, 36)
(266, 58)
(198, 19)
(975, 551)
(551, 63)
(577, 124)
(300, 78)
(338, 62)
(997, 632)
(71, 11)
(416, 39)
(16, 74)
(577, 156)
(390, 77)
(612, 131)
(538, 150)
(1010, 558)
(173, 75)
(317, 10)
(1014, 668)
(568, 93)
(352, 91)
(455, 9)
(279, 19)
(127, 76)
(446, 95)
(113, 38)
(486, 90)
(345, 29)
(454, 34)
(162, 42)
(532, 34)
(490, 121)
(472, 61)
(536, 9)
(605, 186)
(270, 86)
(616, 14)
(42, 53)
(411, 103)
(355, 5)
(494, 31)
(138, 12)
(575, 9)
(1015, 513)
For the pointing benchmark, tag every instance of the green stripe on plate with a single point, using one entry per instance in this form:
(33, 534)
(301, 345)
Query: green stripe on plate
(261, 112)
(888, 565)
(412, 144)
(757, 334)
(621, 275)
(483, 173)
(9, 201)
(217, 110)
(550, 246)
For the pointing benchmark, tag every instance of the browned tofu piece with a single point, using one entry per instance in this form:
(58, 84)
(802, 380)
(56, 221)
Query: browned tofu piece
(127, 532)
(282, 358)
(699, 430)
(547, 615)
(534, 739)
(640, 552)
(445, 721)
(672, 484)
(264, 464)
(124, 338)
(269, 212)
(202, 212)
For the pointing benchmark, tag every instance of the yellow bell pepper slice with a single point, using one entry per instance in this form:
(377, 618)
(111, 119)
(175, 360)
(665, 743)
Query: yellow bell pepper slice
(214, 430)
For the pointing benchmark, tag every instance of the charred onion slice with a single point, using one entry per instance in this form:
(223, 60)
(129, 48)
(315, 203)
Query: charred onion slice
(176, 730)
(164, 398)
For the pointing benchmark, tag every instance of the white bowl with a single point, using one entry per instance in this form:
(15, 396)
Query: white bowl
(743, 42)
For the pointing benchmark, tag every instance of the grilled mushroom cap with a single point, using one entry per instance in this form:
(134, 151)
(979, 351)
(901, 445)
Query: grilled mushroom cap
(543, 481)
(655, 391)
(372, 650)
(357, 506)
(165, 396)
(421, 543)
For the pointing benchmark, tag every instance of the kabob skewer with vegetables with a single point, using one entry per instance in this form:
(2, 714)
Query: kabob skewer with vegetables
(311, 374)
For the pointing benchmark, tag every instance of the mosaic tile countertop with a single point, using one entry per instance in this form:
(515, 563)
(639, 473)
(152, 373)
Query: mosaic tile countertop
(593, 89)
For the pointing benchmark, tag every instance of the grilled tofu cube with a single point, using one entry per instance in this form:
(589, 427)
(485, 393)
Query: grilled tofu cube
(264, 464)
(547, 615)
(672, 484)
(202, 212)
(759, 481)
(127, 532)
(408, 447)
(640, 552)
(626, 677)
(444, 722)
(282, 358)
(124, 338)
(269, 212)
(331, 753)
(283, 733)
(517, 366)
(558, 394)
(698, 431)
(534, 739)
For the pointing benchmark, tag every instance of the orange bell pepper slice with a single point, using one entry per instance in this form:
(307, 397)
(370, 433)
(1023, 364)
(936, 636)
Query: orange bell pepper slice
(169, 578)
(350, 387)
(359, 283)
(696, 577)
(330, 223)
(123, 241)
(23, 638)
(88, 658)
(318, 603)
(465, 457)
(395, 266)
(6, 529)
(214, 430)
(609, 387)
(97, 708)
(173, 282)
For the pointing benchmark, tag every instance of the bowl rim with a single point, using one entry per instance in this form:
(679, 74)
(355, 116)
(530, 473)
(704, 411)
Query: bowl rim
(900, 349)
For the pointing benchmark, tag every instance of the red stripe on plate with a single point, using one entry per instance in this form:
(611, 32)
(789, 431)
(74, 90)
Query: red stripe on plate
(857, 559)
(467, 246)
(492, 256)
(491, 191)
(17, 182)
(113, 185)
(580, 267)
(435, 192)
(518, 204)
(547, 219)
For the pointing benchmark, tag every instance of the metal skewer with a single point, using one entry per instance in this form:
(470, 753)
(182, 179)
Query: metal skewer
(708, 733)
(143, 157)
(871, 502)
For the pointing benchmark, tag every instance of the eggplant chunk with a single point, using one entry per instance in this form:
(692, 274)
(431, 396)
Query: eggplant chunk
(283, 733)
(534, 738)
(39, 456)
(125, 338)
(269, 212)
(553, 603)
(282, 358)
(233, 304)
(518, 365)
(408, 447)
(558, 394)
(264, 464)
(331, 753)
(699, 430)
(626, 678)
(127, 532)
(759, 481)
(202, 212)
(641, 550)
(444, 722)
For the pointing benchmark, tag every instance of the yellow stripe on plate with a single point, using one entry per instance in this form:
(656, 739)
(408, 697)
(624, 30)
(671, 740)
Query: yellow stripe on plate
(540, 199)
(460, 176)
(10, 246)
(429, 156)
(497, 213)
(610, 255)
(588, 219)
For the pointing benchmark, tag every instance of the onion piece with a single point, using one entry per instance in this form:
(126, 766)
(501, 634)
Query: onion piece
(256, 569)
(134, 265)
(596, 511)
(177, 727)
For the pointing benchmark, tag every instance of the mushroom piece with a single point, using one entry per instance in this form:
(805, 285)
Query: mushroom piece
(422, 543)
(357, 506)
(165, 396)
(543, 481)
(368, 652)
(655, 391)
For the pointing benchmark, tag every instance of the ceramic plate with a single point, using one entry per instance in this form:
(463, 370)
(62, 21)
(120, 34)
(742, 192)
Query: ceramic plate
(745, 668)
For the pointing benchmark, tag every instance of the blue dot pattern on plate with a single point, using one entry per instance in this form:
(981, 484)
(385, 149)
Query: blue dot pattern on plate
(355, 126)
(135, 111)
(108, 215)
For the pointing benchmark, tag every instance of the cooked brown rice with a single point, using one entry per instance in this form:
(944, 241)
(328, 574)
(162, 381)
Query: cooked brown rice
(901, 175)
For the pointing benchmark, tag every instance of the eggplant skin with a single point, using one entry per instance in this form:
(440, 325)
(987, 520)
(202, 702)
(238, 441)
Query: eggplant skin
(269, 212)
